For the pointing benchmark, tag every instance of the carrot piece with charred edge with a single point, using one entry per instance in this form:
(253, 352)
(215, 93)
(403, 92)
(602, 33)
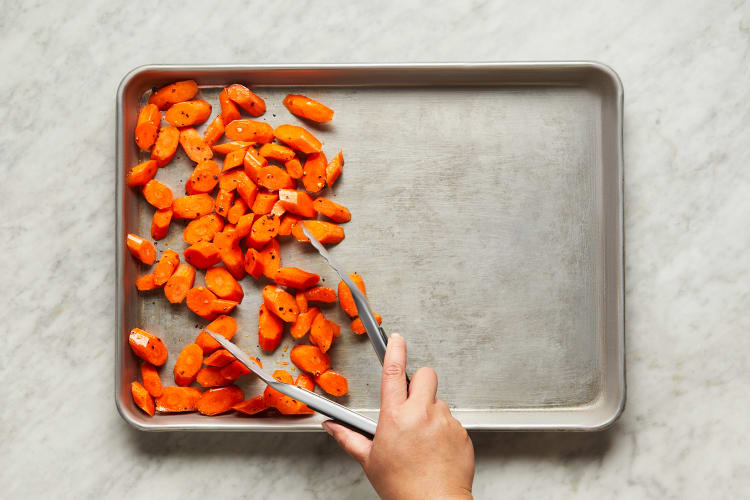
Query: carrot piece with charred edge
(345, 295)
(252, 406)
(194, 145)
(214, 131)
(151, 379)
(219, 359)
(301, 301)
(230, 252)
(210, 376)
(309, 109)
(321, 333)
(263, 230)
(264, 202)
(246, 99)
(203, 228)
(148, 347)
(304, 321)
(166, 266)
(146, 283)
(233, 160)
(228, 147)
(178, 399)
(202, 255)
(147, 127)
(200, 300)
(228, 181)
(335, 328)
(174, 93)
(223, 306)
(324, 232)
(157, 194)
(166, 145)
(245, 224)
(188, 364)
(179, 283)
(287, 223)
(204, 178)
(274, 178)
(332, 210)
(294, 168)
(222, 283)
(310, 358)
(270, 329)
(271, 258)
(219, 400)
(334, 168)
(276, 152)
(142, 398)
(357, 326)
(295, 277)
(252, 162)
(229, 110)
(235, 370)
(160, 223)
(253, 263)
(297, 202)
(141, 249)
(333, 383)
(223, 325)
(192, 206)
(248, 191)
(305, 381)
(297, 138)
(237, 210)
(320, 294)
(141, 173)
(314, 172)
(280, 302)
(249, 131)
(188, 113)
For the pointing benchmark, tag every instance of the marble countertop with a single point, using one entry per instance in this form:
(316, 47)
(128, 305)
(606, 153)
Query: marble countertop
(686, 73)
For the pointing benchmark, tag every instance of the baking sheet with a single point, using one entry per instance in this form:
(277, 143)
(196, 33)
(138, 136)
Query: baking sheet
(486, 206)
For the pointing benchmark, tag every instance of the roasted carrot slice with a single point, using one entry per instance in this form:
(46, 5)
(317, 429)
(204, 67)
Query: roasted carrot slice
(276, 152)
(223, 306)
(246, 99)
(166, 145)
(223, 325)
(295, 277)
(274, 178)
(142, 398)
(160, 223)
(270, 329)
(204, 178)
(334, 168)
(249, 131)
(310, 358)
(297, 202)
(287, 223)
(147, 347)
(357, 326)
(252, 163)
(142, 173)
(231, 253)
(188, 364)
(247, 190)
(234, 370)
(283, 403)
(151, 379)
(271, 258)
(147, 127)
(335, 328)
(224, 202)
(345, 295)
(280, 302)
(321, 333)
(314, 172)
(194, 145)
(229, 147)
(174, 93)
(219, 400)
(228, 181)
(233, 160)
(245, 224)
(192, 206)
(219, 359)
(324, 232)
(305, 381)
(141, 249)
(146, 283)
(202, 255)
(188, 113)
(178, 399)
(203, 228)
(179, 283)
(332, 210)
(307, 108)
(297, 138)
(201, 300)
(214, 131)
(157, 194)
(294, 168)
(253, 263)
(333, 383)
(301, 301)
(264, 202)
(223, 284)
(210, 376)
(252, 406)
(277, 209)
(304, 321)
(263, 230)
(229, 110)
(165, 268)
(237, 210)
(321, 294)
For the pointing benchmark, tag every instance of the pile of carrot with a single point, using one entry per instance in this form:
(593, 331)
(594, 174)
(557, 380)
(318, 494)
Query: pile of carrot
(266, 187)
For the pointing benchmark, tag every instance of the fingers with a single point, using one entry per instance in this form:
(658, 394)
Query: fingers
(393, 382)
(423, 387)
(353, 443)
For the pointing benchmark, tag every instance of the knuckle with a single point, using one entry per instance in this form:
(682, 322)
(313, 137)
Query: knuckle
(392, 369)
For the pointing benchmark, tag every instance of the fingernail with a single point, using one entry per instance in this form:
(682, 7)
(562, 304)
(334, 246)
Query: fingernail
(396, 335)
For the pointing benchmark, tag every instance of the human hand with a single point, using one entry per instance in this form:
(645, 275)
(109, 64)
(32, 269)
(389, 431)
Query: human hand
(419, 449)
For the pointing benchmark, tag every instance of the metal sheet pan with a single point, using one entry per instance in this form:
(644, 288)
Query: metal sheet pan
(487, 222)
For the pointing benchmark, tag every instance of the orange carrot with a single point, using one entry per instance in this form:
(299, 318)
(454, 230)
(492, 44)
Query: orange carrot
(179, 283)
(228, 181)
(283, 403)
(160, 223)
(237, 210)
(270, 395)
(188, 364)
(174, 93)
(192, 206)
(249, 131)
(188, 113)
(321, 333)
(332, 210)
(252, 162)
(141, 249)
(231, 253)
(142, 173)
(334, 169)
(229, 110)
(194, 145)
(165, 268)
(214, 131)
(166, 145)
(264, 202)
(223, 325)
(345, 295)
(307, 108)
(297, 138)
(245, 224)
(219, 359)
(247, 190)
(294, 168)
(277, 209)
(297, 202)
(204, 178)
(157, 194)
(287, 223)
(274, 178)
(253, 263)
(357, 326)
(234, 370)
(146, 283)
(233, 160)
(142, 398)
(305, 381)
(270, 329)
(201, 300)
(321, 294)
(304, 322)
(224, 202)
(178, 399)
(223, 284)
(246, 99)
(301, 301)
(271, 258)
(147, 127)
(219, 400)
(210, 376)
(276, 152)
(263, 230)
(310, 358)
(324, 232)
(295, 277)
(333, 383)
(336, 329)
(314, 172)
(203, 228)
(252, 406)
(202, 255)
(223, 306)
(228, 147)
(151, 379)
(280, 302)
(147, 347)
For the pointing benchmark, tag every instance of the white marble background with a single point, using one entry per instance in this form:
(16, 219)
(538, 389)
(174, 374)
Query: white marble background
(686, 71)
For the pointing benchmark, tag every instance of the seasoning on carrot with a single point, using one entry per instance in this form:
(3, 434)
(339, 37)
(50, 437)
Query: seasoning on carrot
(274, 178)
(249, 131)
(157, 194)
(314, 172)
(229, 110)
(146, 283)
(147, 127)
(204, 178)
(142, 398)
(188, 364)
(237, 210)
(194, 145)
(332, 210)
(228, 181)
(310, 358)
(263, 230)
(324, 232)
(280, 302)
(345, 295)
(203, 228)
(253, 263)
(174, 93)
(333, 383)
(357, 326)
(334, 168)
(214, 131)
(264, 202)
(179, 283)
(246, 99)
(276, 152)
(160, 223)
(192, 206)
(202, 255)
(166, 145)
(307, 108)
(151, 379)
(219, 400)
(295, 277)
(294, 168)
(165, 268)
(141, 173)
(252, 406)
(320, 294)
(297, 202)
(141, 249)
(223, 325)
(321, 333)
(271, 258)
(270, 329)
(297, 138)
(287, 223)
(223, 284)
(178, 399)
(188, 113)
(303, 323)
(210, 376)
(148, 347)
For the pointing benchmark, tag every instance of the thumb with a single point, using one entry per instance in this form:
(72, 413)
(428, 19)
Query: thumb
(353, 443)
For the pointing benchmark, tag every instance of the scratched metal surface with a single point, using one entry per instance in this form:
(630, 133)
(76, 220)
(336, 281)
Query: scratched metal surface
(480, 225)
